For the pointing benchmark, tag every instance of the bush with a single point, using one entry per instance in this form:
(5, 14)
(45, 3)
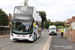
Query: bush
(71, 29)
(58, 27)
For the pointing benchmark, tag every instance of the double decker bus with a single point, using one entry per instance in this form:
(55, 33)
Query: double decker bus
(26, 24)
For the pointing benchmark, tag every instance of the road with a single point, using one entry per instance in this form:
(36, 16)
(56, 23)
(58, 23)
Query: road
(58, 43)
(39, 44)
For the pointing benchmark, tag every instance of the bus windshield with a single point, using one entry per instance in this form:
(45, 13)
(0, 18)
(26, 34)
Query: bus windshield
(21, 26)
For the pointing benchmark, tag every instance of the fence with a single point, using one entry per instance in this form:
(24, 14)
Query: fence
(59, 31)
(69, 35)
(2, 32)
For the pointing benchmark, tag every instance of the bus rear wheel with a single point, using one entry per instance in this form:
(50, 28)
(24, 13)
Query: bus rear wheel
(40, 34)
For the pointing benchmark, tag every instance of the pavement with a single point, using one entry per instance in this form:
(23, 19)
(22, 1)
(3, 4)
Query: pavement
(4, 36)
(59, 43)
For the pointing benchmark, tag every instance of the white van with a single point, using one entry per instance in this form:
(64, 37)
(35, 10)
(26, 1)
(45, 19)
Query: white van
(52, 30)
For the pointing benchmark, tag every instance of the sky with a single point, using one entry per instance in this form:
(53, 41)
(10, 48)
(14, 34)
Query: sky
(56, 10)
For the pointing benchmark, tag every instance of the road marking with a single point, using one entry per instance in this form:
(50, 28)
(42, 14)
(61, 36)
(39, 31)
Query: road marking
(14, 44)
(4, 48)
(5, 44)
(47, 43)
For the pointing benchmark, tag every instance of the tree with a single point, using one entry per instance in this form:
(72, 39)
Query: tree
(26, 2)
(43, 16)
(49, 20)
(3, 18)
(57, 23)
(52, 23)
(47, 24)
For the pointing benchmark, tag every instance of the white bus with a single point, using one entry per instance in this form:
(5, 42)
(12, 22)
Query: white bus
(26, 24)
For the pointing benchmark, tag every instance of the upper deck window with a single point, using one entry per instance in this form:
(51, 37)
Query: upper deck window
(23, 10)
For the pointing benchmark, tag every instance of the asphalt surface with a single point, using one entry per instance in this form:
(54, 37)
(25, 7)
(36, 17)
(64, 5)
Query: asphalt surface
(58, 43)
(39, 44)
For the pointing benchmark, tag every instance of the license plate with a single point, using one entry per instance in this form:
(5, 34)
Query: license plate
(52, 33)
(18, 35)
(23, 35)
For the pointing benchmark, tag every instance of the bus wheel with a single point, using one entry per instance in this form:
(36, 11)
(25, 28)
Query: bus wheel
(36, 37)
(40, 34)
(33, 38)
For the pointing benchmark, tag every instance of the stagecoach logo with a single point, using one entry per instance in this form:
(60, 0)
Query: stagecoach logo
(24, 8)
(22, 18)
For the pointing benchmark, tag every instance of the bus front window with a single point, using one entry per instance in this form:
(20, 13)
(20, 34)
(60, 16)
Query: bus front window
(21, 26)
(23, 10)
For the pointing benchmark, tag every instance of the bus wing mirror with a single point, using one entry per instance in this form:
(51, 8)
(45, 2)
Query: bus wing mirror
(33, 24)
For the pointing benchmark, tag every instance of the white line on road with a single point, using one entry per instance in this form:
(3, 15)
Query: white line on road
(5, 44)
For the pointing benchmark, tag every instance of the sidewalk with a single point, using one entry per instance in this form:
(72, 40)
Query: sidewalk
(59, 43)
(4, 36)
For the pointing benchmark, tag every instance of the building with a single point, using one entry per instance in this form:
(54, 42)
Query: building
(10, 19)
(68, 22)
(73, 22)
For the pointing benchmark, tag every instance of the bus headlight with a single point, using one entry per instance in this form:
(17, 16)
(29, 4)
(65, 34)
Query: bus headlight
(12, 34)
(30, 35)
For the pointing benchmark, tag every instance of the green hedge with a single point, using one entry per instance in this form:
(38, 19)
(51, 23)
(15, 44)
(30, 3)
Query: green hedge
(58, 27)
